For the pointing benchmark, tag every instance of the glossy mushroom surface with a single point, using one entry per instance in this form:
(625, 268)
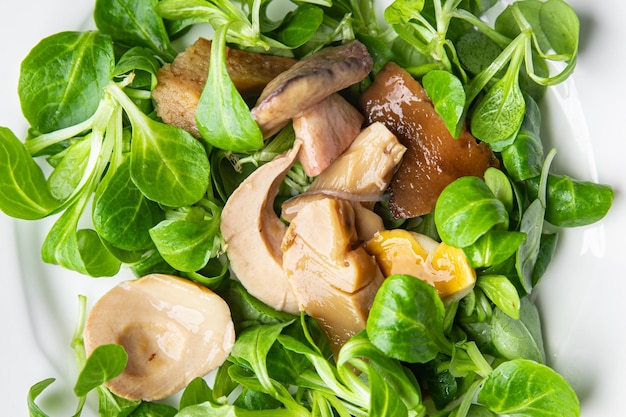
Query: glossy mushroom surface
(253, 234)
(433, 157)
(310, 81)
(172, 329)
(334, 280)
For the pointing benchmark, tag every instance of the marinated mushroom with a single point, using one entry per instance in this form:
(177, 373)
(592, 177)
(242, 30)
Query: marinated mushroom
(173, 330)
(326, 129)
(367, 223)
(399, 251)
(360, 174)
(180, 83)
(433, 158)
(366, 167)
(308, 82)
(334, 281)
(253, 234)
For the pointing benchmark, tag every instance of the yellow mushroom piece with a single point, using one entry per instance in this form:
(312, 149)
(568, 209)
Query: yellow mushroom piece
(445, 267)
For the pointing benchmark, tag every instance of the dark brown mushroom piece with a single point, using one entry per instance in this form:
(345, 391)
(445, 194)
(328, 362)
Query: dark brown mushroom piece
(434, 158)
(180, 83)
(310, 81)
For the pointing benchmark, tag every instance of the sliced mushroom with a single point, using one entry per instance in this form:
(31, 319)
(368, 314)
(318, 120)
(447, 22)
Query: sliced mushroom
(253, 233)
(433, 158)
(367, 223)
(310, 81)
(326, 129)
(366, 167)
(173, 330)
(362, 173)
(335, 282)
(180, 83)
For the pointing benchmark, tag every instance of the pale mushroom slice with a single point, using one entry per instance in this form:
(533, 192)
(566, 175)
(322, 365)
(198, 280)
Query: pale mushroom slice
(367, 223)
(308, 82)
(366, 167)
(334, 281)
(360, 174)
(173, 330)
(253, 234)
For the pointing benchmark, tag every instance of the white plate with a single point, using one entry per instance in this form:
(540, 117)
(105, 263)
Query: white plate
(580, 297)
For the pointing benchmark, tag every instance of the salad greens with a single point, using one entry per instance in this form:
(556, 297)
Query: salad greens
(154, 195)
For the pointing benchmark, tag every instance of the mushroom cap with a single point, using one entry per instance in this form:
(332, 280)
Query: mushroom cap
(173, 330)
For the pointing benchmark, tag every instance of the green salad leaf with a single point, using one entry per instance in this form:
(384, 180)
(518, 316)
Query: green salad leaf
(523, 387)
(134, 23)
(22, 182)
(223, 117)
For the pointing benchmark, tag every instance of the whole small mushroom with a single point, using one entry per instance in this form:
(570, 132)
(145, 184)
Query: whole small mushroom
(172, 329)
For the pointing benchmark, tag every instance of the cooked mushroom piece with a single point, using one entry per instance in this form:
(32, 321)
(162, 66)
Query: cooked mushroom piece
(334, 281)
(308, 82)
(399, 251)
(173, 330)
(360, 174)
(253, 234)
(367, 223)
(366, 167)
(326, 129)
(180, 83)
(433, 158)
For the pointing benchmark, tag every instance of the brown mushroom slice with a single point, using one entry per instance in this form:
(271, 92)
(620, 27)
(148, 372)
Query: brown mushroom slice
(433, 158)
(326, 129)
(308, 82)
(253, 234)
(361, 173)
(173, 330)
(335, 282)
(180, 83)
